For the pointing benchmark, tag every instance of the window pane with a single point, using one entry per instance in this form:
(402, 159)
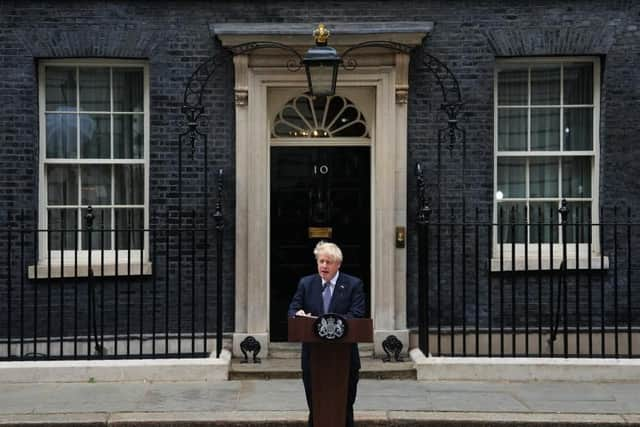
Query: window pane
(302, 105)
(578, 129)
(96, 184)
(62, 229)
(61, 136)
(512, 129)
(128, 184)
(356, 130)
(576, 177)
(545, 129)
(320, 105)
(62, 185)
(94, 136)
(543, 177)
(578, 84)
(60, 89)
(512, 217)
(94, 89)
(578, 230)
(336, 105)
(292, 117)
(101, 234)
(511, 177)
(128, 136)
(281, 130)
(348, 123)
(545, 85)
(543, 217)
(128, 89)
(512, 87)
(129, 226)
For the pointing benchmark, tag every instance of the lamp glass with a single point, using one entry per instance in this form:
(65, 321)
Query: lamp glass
(322, 78)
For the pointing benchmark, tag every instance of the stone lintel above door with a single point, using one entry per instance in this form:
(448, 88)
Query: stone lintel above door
(343, 34)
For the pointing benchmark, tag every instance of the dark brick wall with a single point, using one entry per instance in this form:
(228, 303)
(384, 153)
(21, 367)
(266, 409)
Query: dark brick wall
(174, 38)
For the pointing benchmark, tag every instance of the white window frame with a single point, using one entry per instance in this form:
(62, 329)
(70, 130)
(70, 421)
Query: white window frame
(58, 263)
(502, 257)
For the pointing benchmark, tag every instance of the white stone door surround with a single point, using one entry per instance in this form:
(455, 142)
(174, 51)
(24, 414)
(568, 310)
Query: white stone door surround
(384, 71)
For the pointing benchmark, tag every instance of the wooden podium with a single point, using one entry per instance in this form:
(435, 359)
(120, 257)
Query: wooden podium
(330, 362)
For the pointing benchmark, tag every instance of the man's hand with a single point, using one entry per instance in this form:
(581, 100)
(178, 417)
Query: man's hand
(302, 313)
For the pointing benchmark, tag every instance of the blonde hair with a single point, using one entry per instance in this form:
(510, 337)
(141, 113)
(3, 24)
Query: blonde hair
(330, 249)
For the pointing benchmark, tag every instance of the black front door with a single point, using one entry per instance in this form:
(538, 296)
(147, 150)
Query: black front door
(316, 194)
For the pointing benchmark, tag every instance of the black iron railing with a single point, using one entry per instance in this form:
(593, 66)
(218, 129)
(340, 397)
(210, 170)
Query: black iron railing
(99, 292)
(557, 284)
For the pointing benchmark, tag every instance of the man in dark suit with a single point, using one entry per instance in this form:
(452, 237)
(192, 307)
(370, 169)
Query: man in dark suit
(329, 291)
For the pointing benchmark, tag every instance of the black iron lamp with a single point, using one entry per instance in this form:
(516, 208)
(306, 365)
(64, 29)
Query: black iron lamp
(321, 64)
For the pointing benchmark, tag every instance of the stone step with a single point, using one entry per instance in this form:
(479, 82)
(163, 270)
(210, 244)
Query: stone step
(291, 350)
(289, 368)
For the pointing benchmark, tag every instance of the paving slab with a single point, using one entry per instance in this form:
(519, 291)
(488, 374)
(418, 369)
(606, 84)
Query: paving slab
(181, 397)
(496, 418)
(282, 402)
(84, 420)
(475, 402)
(88, 398)
(563, 392)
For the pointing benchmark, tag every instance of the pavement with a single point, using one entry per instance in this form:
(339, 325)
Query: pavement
(394, 402)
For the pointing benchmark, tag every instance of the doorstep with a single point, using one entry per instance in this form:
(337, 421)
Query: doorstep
(289, 368)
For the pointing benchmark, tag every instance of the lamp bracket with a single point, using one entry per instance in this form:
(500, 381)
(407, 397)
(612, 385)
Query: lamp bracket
(293, 64)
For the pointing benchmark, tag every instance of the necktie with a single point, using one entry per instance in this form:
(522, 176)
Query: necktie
(326, 296)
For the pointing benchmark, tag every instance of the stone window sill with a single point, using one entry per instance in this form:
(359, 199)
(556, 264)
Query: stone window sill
(54, 270)
(545, 263)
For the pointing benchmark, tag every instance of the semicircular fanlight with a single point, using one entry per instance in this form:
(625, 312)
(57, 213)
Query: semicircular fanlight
(322, 117)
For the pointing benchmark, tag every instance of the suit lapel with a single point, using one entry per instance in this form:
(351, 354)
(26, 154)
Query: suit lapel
(338, 293)
(316, 292)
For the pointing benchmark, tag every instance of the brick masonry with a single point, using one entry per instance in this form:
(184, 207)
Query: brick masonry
(174, 38)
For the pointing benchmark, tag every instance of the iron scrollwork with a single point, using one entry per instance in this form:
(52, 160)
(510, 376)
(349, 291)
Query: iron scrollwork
(293, 64)
(446, 80)
(392, 345)
(424, 210)
(217, 215)
(250, 344)
(349, 63)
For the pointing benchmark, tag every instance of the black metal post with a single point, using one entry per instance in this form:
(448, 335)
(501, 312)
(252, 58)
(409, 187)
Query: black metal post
(154, 247)
(629, 318)
(61, 309)
(564, 214)
(512, 221)
(616, 340)
(22, 263)
(92, 312)
(9, 285)
(219, 220)
(423, 220)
